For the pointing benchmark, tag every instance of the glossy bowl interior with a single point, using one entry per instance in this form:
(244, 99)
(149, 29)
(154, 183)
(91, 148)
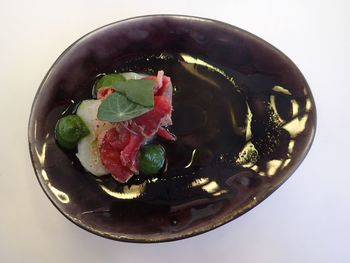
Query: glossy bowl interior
(243, 113)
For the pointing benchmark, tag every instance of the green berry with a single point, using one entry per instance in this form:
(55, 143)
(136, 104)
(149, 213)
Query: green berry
(151, 159)
(69, 130)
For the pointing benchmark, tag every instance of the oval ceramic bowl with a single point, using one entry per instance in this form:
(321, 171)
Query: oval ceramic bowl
(244, 117)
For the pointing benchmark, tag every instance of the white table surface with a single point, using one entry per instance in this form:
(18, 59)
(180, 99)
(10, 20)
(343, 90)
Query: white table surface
(305, 220)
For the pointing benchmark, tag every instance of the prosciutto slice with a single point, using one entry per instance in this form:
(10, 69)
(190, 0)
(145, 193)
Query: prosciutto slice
(120, 145)
(110, 151)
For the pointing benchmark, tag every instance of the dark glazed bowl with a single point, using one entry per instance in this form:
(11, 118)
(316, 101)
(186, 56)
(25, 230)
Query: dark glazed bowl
(243, 114)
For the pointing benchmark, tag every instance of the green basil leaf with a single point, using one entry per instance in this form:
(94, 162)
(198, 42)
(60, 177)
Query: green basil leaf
(139, 91)
(116, 107)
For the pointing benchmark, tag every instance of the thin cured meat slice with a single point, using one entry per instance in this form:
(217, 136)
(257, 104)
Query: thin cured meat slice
(119, 146)
(110, 155)
(166, 90)
(122, 138)
(148, 123)
(158, 80)
(129, 154)
(163, 85)
(163, 133)
(104, 92)
(119, 151)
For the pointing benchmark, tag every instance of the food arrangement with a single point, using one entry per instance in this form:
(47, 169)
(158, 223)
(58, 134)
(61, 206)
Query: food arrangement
(113, 132)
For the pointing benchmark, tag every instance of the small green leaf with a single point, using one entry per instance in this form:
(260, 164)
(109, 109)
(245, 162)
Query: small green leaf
(139, 91)
(119, 86)
(108, 80)
(116, 107)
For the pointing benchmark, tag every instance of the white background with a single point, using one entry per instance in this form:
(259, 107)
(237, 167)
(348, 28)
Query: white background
(306, 220)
